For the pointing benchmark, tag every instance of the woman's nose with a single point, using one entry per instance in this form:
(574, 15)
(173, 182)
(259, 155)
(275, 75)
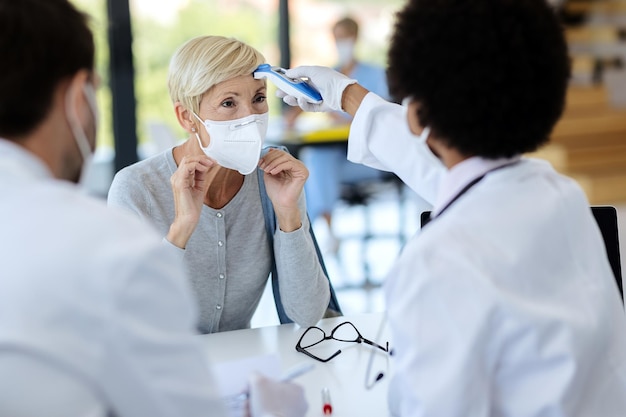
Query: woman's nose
(246, 110)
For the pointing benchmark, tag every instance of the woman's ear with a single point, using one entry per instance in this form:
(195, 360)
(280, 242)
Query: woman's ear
(185, 118)
(412, 118)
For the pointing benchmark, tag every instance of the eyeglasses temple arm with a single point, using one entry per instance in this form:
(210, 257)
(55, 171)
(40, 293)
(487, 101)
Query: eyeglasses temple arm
(369, 342)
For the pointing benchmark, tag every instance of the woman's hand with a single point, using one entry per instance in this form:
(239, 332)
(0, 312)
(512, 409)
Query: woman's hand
(284, 180)
(189, 186)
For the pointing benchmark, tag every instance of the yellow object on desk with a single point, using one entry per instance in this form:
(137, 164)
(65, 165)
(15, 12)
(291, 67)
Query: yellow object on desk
(332, 134)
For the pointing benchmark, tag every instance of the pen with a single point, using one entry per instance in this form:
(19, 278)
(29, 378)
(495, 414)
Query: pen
(327, 407)
(292, 373)
(296, 371)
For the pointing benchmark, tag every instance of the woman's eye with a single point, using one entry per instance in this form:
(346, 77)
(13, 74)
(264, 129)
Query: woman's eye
(260, 98)
(228, 103)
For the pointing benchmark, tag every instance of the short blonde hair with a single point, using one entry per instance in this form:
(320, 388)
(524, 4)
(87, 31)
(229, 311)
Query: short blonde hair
(205, 61)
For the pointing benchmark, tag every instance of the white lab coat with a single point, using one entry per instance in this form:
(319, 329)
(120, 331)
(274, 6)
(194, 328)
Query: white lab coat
(506, 304)
(95, 314)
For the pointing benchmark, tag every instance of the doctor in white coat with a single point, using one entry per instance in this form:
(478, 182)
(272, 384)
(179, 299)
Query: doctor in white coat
(505, 303)
(96, 318)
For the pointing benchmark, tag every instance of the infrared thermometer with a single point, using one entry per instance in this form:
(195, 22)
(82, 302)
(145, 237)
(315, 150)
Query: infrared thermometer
(295, 87)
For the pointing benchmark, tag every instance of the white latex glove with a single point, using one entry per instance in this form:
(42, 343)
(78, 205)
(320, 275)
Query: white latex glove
(269, 398)
(327, 81)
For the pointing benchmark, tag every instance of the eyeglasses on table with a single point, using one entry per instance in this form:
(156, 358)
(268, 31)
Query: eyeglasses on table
(343, 332)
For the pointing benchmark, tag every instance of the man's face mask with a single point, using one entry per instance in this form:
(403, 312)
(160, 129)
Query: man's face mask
(345, 51)
(236, 144)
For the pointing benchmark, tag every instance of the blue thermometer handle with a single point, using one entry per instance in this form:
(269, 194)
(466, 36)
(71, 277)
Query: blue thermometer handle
(294, 87)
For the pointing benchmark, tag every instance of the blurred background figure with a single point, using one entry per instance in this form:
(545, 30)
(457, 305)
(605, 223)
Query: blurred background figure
(328, 167)
(346, 32)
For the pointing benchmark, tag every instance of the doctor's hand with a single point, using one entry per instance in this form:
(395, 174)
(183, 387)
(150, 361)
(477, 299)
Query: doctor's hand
(327, 81)
(270, 398)
(189, 186)
(284, 181)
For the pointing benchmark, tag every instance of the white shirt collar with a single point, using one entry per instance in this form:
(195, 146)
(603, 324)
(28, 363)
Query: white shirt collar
(460, 175)
(17, 161)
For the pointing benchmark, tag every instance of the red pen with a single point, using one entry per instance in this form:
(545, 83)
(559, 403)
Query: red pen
(327, 407)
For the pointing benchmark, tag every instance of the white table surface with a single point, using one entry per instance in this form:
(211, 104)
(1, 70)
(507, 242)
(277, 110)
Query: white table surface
(344, 375)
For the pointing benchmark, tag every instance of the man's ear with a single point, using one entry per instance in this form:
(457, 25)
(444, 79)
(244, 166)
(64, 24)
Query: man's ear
(185, 118)
(75, 98)
(79, 111)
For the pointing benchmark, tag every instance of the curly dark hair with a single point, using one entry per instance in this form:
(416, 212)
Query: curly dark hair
(490, 75)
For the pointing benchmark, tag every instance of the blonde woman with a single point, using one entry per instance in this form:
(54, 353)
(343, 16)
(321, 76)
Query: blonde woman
(232, 215)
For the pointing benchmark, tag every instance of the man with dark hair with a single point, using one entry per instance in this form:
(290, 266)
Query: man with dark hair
(505, 303)
(95, 316)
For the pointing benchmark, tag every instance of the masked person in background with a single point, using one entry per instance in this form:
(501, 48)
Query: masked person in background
(96, 315)
(230, 222)
(505, 303)
(329, 170)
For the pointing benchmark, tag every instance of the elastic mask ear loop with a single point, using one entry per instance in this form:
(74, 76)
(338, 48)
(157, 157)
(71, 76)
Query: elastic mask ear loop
(425, 133)
(196, 132)
(90, 94)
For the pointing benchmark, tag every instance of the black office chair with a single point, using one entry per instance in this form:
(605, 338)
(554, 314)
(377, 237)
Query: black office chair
(606, 217)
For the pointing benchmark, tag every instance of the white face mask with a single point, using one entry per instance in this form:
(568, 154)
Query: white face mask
(236, 144)
(79, 133)
(345, 51)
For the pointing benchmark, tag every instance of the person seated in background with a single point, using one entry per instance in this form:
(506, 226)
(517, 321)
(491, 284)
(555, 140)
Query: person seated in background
(505, 303)
(329, 169)
(96, 316)
(209, 199)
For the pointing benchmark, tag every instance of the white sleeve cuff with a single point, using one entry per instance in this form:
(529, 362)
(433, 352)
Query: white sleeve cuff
(180, 253)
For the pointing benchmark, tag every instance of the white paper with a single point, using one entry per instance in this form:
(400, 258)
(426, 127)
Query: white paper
(232, 379)
(232, 376)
